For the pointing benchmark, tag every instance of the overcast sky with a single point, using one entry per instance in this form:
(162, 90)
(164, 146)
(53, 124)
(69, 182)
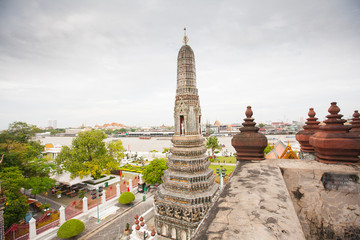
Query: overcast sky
(97, 62)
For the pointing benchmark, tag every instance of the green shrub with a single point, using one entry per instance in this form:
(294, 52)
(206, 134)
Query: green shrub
(71, 228)
(126, 198)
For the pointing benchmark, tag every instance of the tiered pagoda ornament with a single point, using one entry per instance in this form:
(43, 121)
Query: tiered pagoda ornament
(303, 136)
(355, 123)
(249, 143)
(188, 187)
(334, 143)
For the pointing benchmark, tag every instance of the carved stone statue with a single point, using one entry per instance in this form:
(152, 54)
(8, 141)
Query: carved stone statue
(195, 216)
(161, 210)
(187, 216)
(169, 211)
(178, 213)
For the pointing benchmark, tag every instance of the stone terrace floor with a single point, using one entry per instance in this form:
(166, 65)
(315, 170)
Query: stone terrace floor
(256, 204)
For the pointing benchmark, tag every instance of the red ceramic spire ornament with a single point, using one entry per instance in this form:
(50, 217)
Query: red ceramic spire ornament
(303, 136)
(249, 144)
(355, 123)
(334, 143)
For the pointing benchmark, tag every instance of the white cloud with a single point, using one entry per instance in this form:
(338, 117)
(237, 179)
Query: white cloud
(87, 61)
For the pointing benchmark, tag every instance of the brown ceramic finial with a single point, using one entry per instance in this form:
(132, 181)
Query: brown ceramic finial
(248, 112)
(137, 227)
(355, 123)
(136, 216)
(311, 126)
(249, 124)
(334, 109)
(333, 143)
(153, 233)
(249, 144)
(311, 113)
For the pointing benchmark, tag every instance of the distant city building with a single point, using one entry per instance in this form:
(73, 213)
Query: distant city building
(110, 126)
(51, 151)
(52, 124)
(72, 132)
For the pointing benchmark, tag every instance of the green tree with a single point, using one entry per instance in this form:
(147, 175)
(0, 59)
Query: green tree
(37, 167)
(16, 205)
(23, 166)
(154, 171)
(115, 149)
(20, 132)
(89, 154)
(14, 153)
(16, 209)
(268, 148)
(108, 131)
(212, 143)
(123, 130)
(39, 184)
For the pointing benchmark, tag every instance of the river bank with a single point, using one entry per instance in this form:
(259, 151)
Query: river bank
(134, 144)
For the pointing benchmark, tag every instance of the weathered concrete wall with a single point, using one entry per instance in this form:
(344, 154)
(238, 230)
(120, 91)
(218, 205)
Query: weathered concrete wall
(255, 204)
(324, 214)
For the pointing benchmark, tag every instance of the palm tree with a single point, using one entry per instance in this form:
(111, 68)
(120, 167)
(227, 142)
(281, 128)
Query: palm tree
(212, 143)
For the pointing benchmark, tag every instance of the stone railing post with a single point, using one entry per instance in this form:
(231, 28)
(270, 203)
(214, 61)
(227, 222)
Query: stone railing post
(130, 185)
(32, 228)
(62, 215)
(103, 197)
(140, 177)
(118, 190)
(85, 204)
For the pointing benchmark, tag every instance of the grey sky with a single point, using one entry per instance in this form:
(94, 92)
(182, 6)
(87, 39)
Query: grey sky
(115, 61)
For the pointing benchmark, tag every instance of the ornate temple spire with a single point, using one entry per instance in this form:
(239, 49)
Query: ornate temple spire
(186, 39)
(187, 112)
(188, 187)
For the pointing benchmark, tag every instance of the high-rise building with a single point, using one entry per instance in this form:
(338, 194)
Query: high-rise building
(188, 187)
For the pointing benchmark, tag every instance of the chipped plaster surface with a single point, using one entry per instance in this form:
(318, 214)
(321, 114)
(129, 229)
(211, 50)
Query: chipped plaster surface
(254, 205)
(324, 214)
(261, 203)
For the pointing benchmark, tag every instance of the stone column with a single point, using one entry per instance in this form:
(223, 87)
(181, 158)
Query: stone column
(85, 205)
(62, 215)
(103, 197)
(118, 193)
(32, 228)
(140, 177)
(130, 185)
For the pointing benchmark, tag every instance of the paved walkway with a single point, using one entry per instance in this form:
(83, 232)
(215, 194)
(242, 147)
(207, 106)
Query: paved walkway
(112, 227)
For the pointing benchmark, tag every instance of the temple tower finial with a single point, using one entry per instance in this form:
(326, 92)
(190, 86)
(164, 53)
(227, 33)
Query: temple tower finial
(186, 39)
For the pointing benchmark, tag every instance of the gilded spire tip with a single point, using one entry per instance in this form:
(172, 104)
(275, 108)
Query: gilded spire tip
(186, 39)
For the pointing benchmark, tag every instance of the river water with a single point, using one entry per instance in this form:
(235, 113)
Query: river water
(134, 144)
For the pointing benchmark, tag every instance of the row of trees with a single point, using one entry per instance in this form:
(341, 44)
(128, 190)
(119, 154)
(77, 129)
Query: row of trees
(22, 166)
(90, 155)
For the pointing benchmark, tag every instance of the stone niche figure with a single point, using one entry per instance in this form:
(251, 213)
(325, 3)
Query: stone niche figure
(249, 143)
